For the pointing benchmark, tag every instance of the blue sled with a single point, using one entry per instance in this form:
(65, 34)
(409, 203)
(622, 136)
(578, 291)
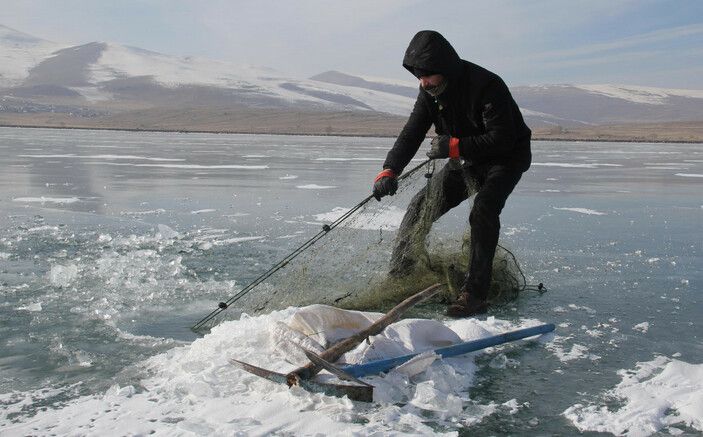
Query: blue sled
(376, 367)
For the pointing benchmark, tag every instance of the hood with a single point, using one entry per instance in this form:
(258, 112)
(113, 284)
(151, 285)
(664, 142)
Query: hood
(430, 51)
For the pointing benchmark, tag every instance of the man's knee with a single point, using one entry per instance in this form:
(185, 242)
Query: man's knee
(485, 212)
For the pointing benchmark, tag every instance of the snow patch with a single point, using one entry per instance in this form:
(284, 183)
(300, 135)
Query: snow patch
(656, 394)
(640, 94)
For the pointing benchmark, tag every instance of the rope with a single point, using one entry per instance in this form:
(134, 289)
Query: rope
(222, 306)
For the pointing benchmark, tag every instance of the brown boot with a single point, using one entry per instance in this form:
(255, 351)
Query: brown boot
(467, 306)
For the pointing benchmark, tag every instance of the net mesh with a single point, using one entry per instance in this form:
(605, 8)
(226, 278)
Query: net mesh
(371, 262)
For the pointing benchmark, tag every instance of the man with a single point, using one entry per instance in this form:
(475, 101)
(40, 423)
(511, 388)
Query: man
(480, 128)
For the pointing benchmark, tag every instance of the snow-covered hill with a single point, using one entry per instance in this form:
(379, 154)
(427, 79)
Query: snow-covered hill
(102, 71)
(20, 52)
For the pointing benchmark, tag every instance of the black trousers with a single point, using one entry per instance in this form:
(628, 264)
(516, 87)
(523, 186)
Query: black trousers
(454, 183)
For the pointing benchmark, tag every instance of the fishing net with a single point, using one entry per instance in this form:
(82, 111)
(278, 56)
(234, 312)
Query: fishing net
(372, 261)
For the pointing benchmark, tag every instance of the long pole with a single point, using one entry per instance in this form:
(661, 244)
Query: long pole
(376, 367)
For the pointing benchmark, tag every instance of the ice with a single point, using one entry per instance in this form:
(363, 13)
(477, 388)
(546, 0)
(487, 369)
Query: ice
(43, 199)
(237, 240)
(581, 211)
(430, 399)
(513, 406)
(689, 175)
(388, 218)
(107, 157)
(203, 211)
(288, 177)
(577, 351)
(642, 327)
(417, 364)
(350, 159)
(32, 307)
(572, 165)
(166, 232)
(656, 394)
(63, 276)
(315, 187)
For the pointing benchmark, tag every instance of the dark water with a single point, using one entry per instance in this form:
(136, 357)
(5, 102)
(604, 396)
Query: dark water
(112, 244)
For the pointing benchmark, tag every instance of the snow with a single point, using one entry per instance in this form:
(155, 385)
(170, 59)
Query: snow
(118, 61)
(689, 175)
(640, 94)
(193, 389)
(19, 53)
(655, 395)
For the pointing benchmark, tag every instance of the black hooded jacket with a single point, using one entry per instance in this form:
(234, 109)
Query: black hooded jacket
(476, 107)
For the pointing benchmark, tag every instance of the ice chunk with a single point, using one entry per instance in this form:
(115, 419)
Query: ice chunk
(62, 276)
(429, 398)
(642, 327)
(417, 364)
(166, 232)
(32, 307)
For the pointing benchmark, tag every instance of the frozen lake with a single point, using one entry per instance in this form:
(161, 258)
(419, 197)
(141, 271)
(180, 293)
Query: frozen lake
(112, 244)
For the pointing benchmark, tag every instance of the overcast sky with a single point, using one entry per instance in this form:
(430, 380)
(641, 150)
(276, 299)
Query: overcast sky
(641, 42)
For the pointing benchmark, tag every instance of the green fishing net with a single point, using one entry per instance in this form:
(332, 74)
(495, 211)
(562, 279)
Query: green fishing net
(367, 263)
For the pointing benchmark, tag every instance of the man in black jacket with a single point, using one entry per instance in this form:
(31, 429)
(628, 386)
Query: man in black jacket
(480, 128)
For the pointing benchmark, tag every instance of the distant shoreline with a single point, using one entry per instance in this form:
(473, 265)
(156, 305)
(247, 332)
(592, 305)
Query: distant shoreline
(575, 138)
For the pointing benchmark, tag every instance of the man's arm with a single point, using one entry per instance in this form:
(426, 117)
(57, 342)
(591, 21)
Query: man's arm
(410, 138)
(500, 136)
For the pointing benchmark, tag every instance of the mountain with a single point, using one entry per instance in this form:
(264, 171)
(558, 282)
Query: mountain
(102, 84)
(573, 105)
(116, 75)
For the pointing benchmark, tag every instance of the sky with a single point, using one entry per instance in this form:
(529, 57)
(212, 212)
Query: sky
(527, 42)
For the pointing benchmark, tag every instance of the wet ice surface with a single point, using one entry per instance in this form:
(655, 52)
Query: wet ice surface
(113, 243)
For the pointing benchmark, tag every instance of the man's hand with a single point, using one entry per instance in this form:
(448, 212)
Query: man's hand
(385, 184)
(444, 146)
